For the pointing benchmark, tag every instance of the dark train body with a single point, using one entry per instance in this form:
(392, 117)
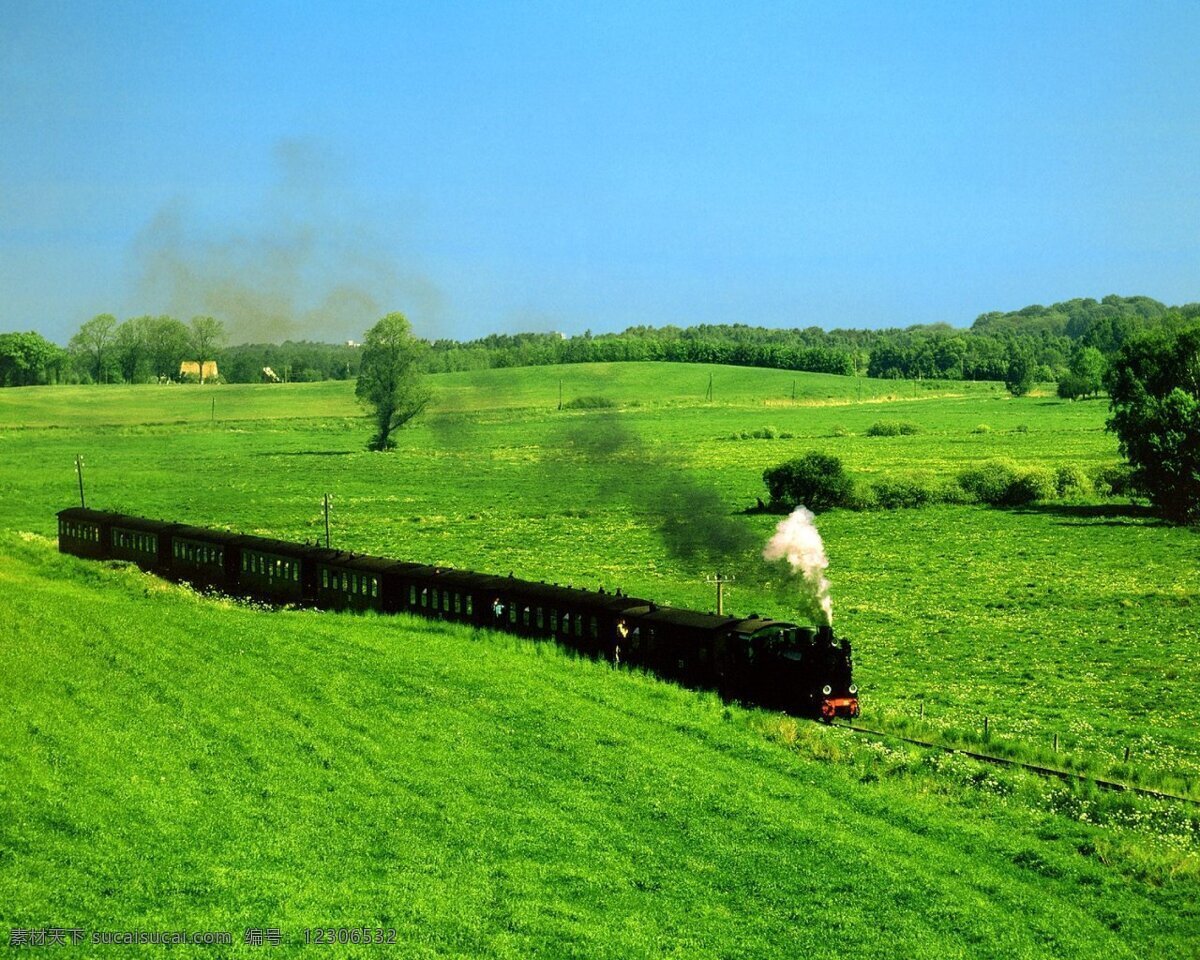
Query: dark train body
(769, 662)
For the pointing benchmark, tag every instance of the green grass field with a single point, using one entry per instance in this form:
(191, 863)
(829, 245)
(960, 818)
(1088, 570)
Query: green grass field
(501, 798)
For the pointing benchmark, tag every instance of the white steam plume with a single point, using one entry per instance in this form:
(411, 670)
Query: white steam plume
(797, 539)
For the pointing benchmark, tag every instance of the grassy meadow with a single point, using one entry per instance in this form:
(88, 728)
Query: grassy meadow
(493, 797)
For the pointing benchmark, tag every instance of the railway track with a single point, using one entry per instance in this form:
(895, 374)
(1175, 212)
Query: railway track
(1040, 770)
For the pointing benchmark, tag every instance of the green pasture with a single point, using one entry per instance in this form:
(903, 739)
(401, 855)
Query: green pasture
(1077, 619)
(172, 762)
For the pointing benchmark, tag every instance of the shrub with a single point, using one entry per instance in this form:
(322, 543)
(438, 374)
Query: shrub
(892, 493)
(1032, 484)
(892, 428)
(1002, 483)
(589, 403)
(982, 428)
(763, 433)
(815, 480)
(1072, 481)
(989, 482)
(1113, 480)
(1072, 387)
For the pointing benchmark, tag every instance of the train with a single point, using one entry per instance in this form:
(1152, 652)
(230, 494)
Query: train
(771, 663)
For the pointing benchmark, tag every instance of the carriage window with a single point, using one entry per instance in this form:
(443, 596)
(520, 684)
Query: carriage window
(579, 625)
(512, 613)
(594, 628)
(425, 597)
(412, 594)
(446, 600)
(374, 586)
(470, 606)
(457, 602)
(525, 617)
(554, 621)
(324, 578)
(435, 599)
(540, 622)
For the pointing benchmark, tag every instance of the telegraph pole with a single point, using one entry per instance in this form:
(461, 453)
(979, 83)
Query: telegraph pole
(327, 521)
(79, 472)
(720, 581)
(708, 394)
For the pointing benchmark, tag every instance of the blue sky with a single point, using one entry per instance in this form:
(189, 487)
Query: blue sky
(301, 168)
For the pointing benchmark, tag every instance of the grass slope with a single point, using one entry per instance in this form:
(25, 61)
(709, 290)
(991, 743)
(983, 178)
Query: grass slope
(174, 762)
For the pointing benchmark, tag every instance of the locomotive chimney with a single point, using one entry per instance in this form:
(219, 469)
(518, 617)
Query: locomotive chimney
(825, 634)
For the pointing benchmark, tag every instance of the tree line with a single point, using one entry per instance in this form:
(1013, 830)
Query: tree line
(152, 349)
(1070, 343)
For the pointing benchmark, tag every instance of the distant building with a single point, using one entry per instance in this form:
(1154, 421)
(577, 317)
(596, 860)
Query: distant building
(269, 375)
(190, 368)
(352, 343)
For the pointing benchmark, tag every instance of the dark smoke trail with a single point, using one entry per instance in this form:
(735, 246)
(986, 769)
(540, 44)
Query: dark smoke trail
(693, 522)
(311, 266)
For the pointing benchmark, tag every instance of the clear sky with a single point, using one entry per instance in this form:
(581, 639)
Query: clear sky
(301, 168)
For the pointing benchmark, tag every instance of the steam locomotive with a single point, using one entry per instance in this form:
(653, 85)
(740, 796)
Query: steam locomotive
(772, 663)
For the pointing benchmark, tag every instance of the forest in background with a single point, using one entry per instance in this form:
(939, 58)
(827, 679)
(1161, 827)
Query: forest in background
(1020, 347)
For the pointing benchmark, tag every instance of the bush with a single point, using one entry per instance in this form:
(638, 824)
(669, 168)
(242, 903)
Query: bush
(1002, 483)
(1072, 481)
(1113, 480)
(1032, 484)
(816, 480)
(589, 403)
(989, 482)
(892, 428)
(1072, 387)
(892, 493)
(982, 428)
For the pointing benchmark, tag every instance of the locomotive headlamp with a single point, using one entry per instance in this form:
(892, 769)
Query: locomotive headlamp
(827, 689)
(853, 688)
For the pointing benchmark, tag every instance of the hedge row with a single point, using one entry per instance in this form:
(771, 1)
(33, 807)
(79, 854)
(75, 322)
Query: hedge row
(820, 481)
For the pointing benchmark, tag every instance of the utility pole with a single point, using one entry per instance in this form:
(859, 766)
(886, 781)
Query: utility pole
(327, 522)
(720, 581)
(79, 472)
(213, 416)
(560, 393)
(708, 394)
(793, 391)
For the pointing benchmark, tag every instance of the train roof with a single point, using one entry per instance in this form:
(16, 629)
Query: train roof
(203, 533)
(121, 519)
(755, 624)
(356, 561)
(689, 619)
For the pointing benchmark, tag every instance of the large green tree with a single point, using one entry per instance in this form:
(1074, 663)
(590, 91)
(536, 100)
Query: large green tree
(1154, 386)
(390, 381)
(169, 343)
(1022, 368)
(93, 345)
(29, 358)
(206, 335)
